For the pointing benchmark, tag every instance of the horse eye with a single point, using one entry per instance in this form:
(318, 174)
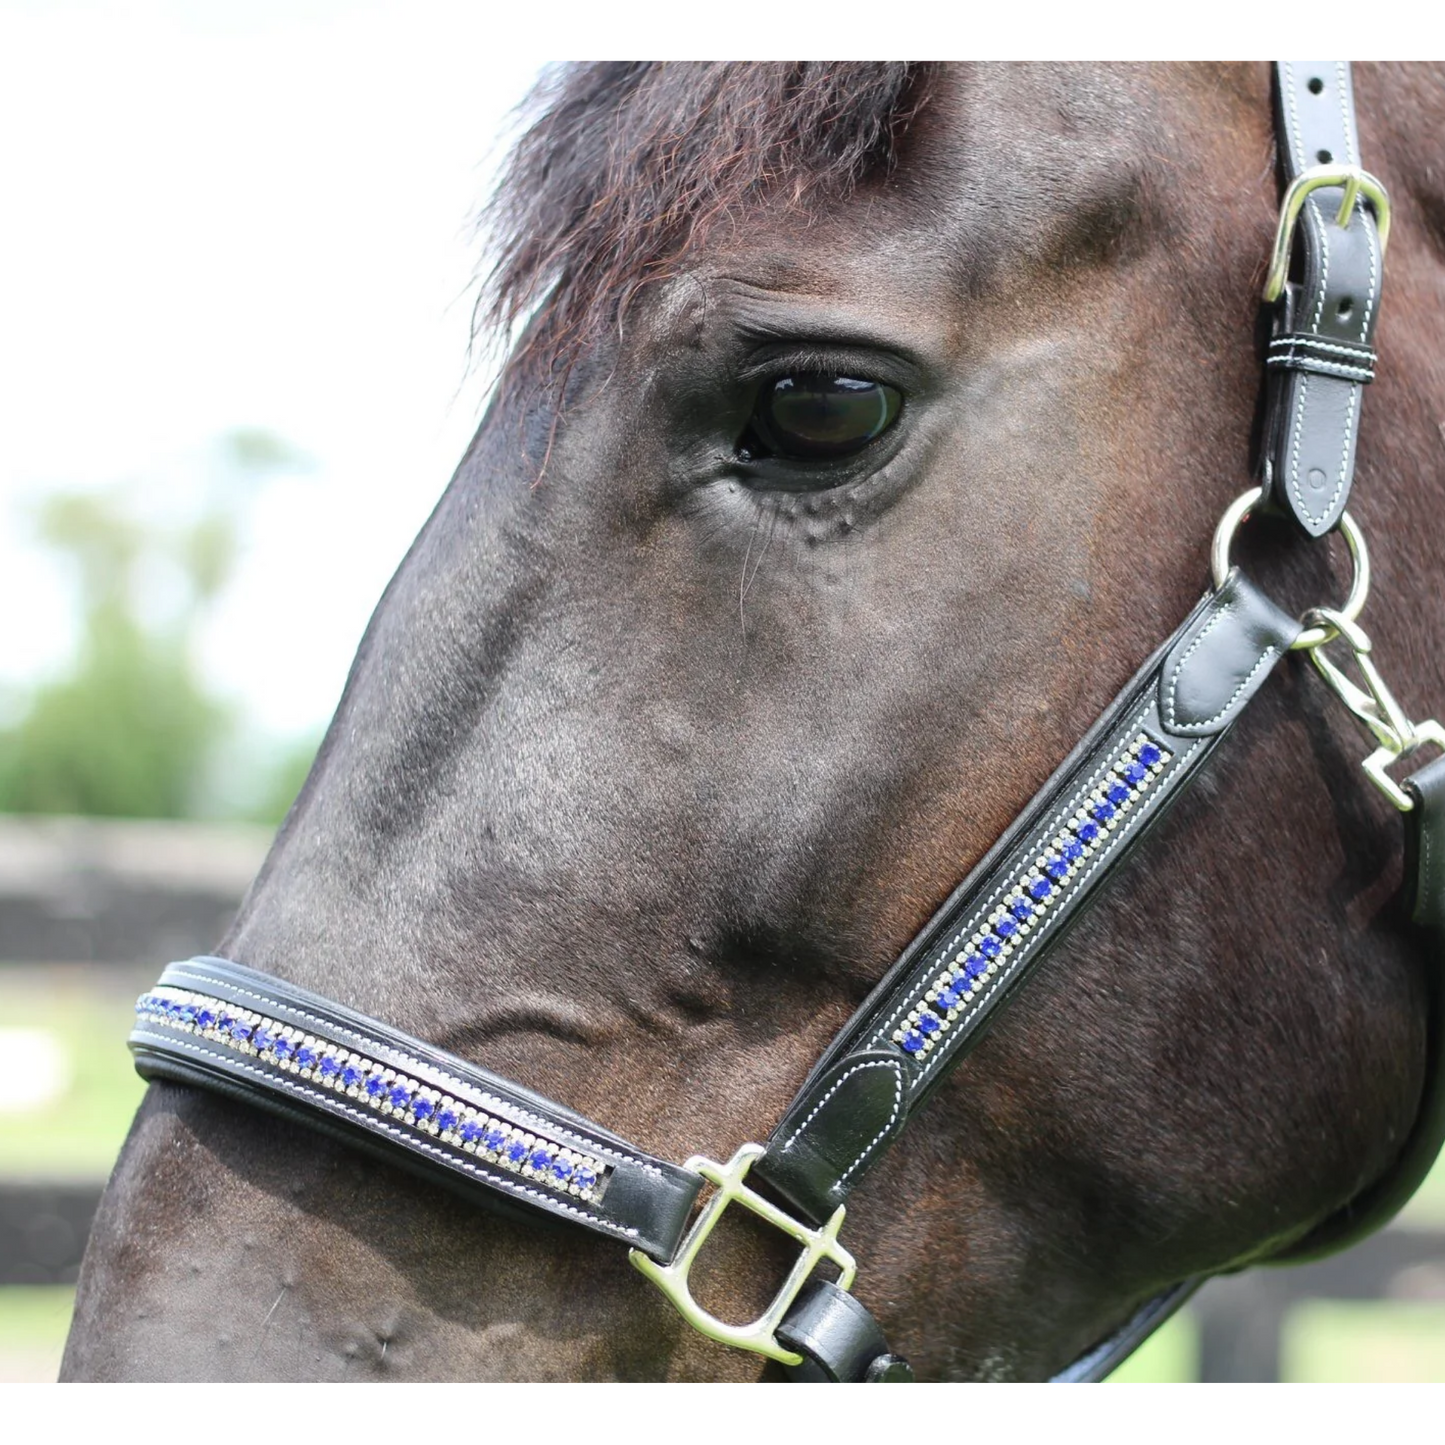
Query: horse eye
(814, 417)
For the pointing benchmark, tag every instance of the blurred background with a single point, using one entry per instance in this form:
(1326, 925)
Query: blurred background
(236, 291)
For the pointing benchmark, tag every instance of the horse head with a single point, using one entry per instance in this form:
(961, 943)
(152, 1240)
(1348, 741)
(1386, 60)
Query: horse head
(866, 429)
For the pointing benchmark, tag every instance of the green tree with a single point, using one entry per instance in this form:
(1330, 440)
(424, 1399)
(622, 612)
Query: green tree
(129, 727)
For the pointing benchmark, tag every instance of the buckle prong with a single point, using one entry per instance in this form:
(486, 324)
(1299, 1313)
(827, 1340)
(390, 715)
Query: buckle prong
(818, 1244)
(1355, 183)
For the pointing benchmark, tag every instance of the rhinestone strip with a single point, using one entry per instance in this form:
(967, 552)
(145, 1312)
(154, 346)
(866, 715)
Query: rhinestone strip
(1026, 900)
(389, 1091)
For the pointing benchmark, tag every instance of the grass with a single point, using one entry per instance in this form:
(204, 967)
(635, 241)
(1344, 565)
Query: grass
(88, 1012)
(1374, 1341)
(34, 1320)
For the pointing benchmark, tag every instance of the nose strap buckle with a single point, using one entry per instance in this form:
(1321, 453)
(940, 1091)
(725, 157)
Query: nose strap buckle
(759, 1335)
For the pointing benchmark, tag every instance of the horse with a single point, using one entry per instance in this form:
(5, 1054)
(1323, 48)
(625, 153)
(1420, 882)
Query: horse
(683, 713)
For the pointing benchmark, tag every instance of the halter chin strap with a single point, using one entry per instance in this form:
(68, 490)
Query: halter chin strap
(222, 1026)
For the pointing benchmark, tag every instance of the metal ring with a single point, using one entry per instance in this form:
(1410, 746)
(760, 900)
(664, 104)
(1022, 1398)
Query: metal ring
(1354, 604)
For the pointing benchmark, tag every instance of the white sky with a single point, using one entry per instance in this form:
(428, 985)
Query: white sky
(222, 213)
(242, 214)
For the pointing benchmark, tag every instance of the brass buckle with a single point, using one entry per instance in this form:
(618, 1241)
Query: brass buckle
(1355, 182)
(818, 1244)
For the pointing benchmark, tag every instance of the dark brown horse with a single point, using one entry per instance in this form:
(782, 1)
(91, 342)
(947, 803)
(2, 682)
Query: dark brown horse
(667, 736)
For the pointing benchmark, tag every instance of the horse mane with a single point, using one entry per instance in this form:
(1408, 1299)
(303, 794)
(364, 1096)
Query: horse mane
(623, 170)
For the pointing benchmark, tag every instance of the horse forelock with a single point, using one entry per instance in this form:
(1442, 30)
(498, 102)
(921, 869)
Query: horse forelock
(624, 170)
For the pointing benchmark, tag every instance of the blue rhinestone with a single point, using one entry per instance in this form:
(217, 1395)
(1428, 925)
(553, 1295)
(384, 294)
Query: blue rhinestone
(1039, 889)
(284, 1049)
(1056, 868)
(350, 1075)
(583, 1177)
(188, 1013)
(240, 1032)
(1102, 811)
(1005, 927)
(561, 1170)
(264, 1039)
(516, 1151)
(539, 1158)
(330, 1066)
(1087, 830)
(1073, 850)
(398, 1096)
(495, 1137)
(225, 1021)
(928, 1025)
(912, 1042)
(974, 968)
(950, 997)
(1134, 773)
(375, 1086)
(446, 1119)
(472, 1131)
(305, 1055)
(205, 1019)
(1021, 909)
(989, 946)
(1117, 794)
(422, 1108)
(1149, 755)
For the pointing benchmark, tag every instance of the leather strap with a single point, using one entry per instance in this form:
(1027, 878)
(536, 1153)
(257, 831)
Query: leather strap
(1100, 1362)
(1322, 354)
(937, 1001)
(839, 1340)
(269, 1043)
(1425, 896)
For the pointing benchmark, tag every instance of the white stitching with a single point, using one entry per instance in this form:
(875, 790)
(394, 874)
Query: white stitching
(1171, 717)
(897, 1070)
(1370, 241)
(1352, 154)
(1321, 368)
(1059, 912)
(1318, 343)
(501, 1181)
(838, 1084)
(434, 1074)
(1269, 652)
(1299, 145)
(873, 1143)
(1008, 880)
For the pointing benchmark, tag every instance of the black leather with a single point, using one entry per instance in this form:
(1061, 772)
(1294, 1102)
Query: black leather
(865, 1089)
(1220, 658)
(643, 1201)
(1104, 1358)
(1425, 896)
(1323, 353)
(839, 1340)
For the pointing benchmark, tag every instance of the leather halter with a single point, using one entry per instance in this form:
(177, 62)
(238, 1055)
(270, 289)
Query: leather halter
(216, 1024)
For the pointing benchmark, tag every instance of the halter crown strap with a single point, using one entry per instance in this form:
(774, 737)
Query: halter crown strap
(1322, 353)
